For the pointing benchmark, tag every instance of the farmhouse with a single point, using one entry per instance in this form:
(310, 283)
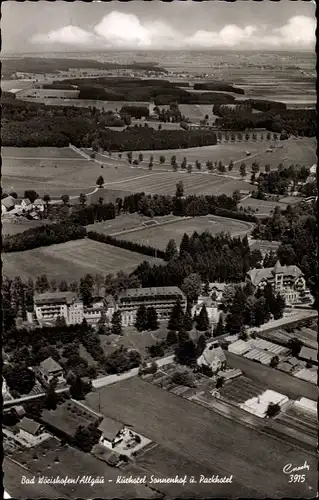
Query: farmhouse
(7, 204)
(23, 204)
(289, 281)
(161, 298)
(31, 431)
(50, 370)
(112, 432)
(213, 357)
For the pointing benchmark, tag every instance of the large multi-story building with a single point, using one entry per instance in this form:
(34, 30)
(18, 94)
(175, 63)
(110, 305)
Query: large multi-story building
(289, 281)
(161, 298)
(49, 306)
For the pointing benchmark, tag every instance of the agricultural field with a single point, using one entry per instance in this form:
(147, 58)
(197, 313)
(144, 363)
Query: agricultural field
(159, 236)
(301, 420)
(128, 222)
(69, 462)
(263, 207)
(15, 225)
(188, 433)
(240, 389)
(276, 380)
(71, 260)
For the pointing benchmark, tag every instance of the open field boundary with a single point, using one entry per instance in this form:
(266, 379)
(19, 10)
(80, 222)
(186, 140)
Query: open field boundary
(141, 228)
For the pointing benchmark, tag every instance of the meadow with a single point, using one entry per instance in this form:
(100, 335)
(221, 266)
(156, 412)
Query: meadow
(57, 171)
(159, 236)
(193, 434)
(72, 260)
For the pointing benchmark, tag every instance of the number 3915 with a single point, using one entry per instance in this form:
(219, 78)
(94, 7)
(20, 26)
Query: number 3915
(297, 478)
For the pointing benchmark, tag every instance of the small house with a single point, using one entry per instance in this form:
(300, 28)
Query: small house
(50, 370)
(29, 428)
(213, 358)
(23, 204)
(7, 204)
(18, 410)
(112, 432)
(39, 205)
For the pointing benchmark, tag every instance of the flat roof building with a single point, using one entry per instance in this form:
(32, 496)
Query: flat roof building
(161, 298)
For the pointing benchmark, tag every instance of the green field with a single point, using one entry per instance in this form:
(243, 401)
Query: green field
(71, 260)
(192, 434)
(159, 236)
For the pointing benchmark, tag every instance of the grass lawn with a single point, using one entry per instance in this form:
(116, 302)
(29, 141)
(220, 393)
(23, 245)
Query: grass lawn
(14, 225)
(71, 260)
(160, 236)
(56, 460)
(205, 439)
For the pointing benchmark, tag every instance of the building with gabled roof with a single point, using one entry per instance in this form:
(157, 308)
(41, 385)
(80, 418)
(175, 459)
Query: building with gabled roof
(50, 369)
(213, 357)
(288, 281)
(30, 426)
(111, 432)
(7, 204)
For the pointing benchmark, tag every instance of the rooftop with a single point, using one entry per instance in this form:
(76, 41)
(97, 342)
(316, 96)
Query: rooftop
(54, 298)
(8, 202)
(151, 292)
(110, 428)
(50, 365)
(28, 425)
(210, 354)
(308, 353)
(258, 275)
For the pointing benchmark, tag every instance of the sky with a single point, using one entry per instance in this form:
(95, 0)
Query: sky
(182, 24)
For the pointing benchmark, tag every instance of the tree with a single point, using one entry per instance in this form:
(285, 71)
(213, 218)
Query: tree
(151, 318)
(201, 344)
(274, 361)
(179, 189)
(78, 388)
(188, 321)
(176, 319)
(202, 321)
(184, 246)
(140, 157)
(171, 250)
(184, 377)
(189, 168)
(117, 323)
(255, 167)
(46, 199)
(192, 286)
(184, 163)
(86, 437)
(272, 410)
(230, 165)
(86, 288)
(162, 159)
(65, 199)
(42, 284)
(19, 378)
(185, 353)
(82, 199)
(220, 329)
(51, 399)
(141, 318)
(150, 165)
(63, 286)
(220, 382)
(242, 169)
(100, 181)
(171, 337)
(267, 167)
(295, 345)
(31, 195)
(198, 165)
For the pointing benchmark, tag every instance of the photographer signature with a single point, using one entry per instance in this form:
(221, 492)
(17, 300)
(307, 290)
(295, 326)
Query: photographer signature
(290, 468)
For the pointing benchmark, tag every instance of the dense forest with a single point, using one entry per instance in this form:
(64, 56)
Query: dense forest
(33, 125)
(162, 92)
(273, 116)
(218, 86)
(55, 65)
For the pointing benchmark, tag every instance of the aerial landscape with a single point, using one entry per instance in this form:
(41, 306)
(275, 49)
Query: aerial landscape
(159, 250)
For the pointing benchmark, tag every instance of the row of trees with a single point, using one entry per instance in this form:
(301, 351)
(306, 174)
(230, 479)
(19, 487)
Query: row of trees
(42, 236)
(214, 258)
(128, 245)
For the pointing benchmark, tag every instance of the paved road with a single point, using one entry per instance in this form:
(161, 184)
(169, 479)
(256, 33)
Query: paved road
(112, 379)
